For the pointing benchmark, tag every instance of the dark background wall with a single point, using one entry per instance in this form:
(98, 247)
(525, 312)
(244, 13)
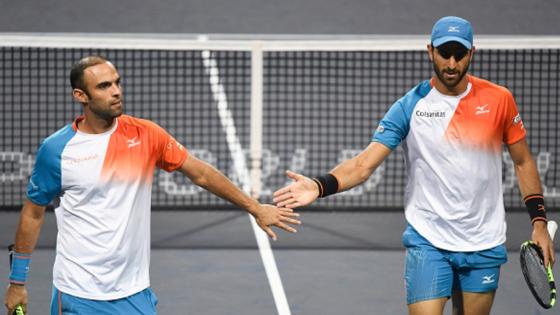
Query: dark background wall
(514, 17)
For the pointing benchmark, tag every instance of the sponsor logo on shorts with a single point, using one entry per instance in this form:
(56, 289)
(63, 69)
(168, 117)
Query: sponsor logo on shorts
(488, 279)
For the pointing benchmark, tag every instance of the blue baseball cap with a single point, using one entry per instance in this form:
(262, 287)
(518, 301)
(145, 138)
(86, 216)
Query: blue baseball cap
(452, 28)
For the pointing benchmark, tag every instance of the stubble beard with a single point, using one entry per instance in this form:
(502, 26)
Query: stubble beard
(450, 84)
(109, 113)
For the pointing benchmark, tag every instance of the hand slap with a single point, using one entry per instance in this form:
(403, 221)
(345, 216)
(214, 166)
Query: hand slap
(269, 215)
(301, 192)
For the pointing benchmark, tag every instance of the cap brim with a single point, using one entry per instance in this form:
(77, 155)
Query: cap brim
(440, 41)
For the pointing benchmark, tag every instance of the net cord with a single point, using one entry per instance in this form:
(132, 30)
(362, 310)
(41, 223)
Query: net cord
(269, 43)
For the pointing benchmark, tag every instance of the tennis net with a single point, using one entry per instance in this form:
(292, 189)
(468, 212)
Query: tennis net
(255, 108)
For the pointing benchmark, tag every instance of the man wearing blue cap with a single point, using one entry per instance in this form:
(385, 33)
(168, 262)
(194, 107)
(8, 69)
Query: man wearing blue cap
(452, 128)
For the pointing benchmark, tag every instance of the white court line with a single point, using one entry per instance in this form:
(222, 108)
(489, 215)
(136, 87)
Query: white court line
(242, 172)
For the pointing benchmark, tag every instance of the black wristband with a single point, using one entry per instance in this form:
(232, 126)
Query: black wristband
(535, 206)
(328, 185)
(319, 186)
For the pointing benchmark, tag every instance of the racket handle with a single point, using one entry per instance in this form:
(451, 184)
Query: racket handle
(552, 227)
(18, 311)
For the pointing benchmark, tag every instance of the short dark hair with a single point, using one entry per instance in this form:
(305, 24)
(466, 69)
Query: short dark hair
(77, 72)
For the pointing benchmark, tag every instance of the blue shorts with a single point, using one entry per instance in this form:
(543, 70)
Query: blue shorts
(141, 303)
(432, 273)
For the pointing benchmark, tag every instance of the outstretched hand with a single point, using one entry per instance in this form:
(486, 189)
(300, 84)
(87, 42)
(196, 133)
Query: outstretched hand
(269, 215)
(301, 192)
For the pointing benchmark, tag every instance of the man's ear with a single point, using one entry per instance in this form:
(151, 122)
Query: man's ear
(431, 52)
(80, 96)
(473, 49)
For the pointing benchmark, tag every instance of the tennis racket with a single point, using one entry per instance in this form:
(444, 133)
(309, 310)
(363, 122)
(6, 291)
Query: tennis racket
(538, 277)
(19, 308)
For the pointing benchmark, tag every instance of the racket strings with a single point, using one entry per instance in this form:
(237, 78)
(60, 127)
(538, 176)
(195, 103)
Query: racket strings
(536, 274)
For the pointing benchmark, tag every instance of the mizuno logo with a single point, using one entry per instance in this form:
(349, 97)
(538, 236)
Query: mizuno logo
(488, 279)
(133, 142)
(453, 29)
(482, 110)
(35, 187)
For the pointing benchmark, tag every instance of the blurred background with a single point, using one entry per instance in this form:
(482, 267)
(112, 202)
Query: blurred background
(327, 17)
(321, 103)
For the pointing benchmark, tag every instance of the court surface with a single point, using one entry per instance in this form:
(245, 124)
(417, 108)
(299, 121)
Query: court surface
(338, 263)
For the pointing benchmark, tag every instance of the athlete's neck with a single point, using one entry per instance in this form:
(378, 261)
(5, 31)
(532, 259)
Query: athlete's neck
(458, 89)
(95, 125)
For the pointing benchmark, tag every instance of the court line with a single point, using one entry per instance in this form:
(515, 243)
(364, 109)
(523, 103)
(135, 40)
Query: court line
(242, 172)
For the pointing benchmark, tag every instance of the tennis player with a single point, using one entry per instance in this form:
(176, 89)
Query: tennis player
(452, 128)
(102, 166)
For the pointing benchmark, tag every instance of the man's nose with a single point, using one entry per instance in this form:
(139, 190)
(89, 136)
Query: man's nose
(116, 90)
(451, 62)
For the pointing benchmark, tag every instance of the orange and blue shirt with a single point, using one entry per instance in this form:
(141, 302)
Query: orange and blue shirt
(453, 156)
(104, 183)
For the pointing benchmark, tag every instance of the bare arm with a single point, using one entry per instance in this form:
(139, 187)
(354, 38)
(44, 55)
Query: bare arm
(530, 183)
(209, 178)
(358, 169)
(29, 227)
(525, 168)
(27, 234)
(349, 173)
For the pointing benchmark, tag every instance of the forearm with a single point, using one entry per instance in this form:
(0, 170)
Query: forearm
(529, 182)
(215, 182)
(29, 227)
(525, 168)
(350, 174)
(528, 178)
(358, 169)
